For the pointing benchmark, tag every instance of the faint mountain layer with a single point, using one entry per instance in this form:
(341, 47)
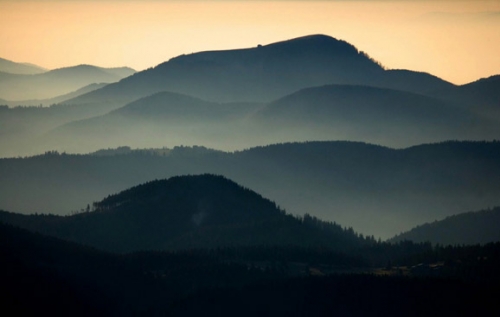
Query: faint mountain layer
(7, 66)
(187, 212)
(339, 112)
(54, 100)
(57, 82)
(478, 227)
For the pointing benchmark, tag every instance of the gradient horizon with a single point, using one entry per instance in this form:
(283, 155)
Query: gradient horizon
(458, 41)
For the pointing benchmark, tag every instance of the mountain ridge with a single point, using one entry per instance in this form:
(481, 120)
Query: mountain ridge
(256, 74)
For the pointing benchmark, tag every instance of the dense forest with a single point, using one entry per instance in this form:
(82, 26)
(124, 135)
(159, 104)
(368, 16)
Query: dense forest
(63, 278)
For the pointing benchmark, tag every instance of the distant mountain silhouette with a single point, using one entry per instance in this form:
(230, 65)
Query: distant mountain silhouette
(481, 96)
(378, 115)
(375, 189)
(478, 227)
(260, 74)
(187, 212)
(11, 67)
(56, 82)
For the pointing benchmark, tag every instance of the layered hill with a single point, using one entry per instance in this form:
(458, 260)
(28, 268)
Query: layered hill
(164, 117)
(187, 212)
(375, 189)
(340, 112)
(479, 227)
(57, 82)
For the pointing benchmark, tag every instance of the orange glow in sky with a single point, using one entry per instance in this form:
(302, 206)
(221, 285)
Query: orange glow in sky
(456, 40)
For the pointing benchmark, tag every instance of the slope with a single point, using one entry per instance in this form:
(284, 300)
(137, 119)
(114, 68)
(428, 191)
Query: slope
(478, 227)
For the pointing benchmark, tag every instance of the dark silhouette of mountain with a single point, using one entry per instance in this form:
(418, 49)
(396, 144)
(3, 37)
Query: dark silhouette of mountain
(259, 74)
(377, 115)
(188, 212)
(57, 82)
(375, 189)
(478, 227)
(412, 81)
(481, 96)
(11, 67)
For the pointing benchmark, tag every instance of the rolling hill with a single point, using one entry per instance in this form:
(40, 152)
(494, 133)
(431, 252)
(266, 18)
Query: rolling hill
(479, 227)
(187, 212)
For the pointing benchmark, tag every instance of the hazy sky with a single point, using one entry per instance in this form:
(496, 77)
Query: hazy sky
(456, 40)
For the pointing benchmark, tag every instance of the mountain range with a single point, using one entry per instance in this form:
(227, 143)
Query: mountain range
(377, 190)
(310, 88)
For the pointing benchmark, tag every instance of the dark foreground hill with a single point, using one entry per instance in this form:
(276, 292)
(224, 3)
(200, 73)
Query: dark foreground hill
(377, 190)
(187, 212)
(478, 227)
(46, 275)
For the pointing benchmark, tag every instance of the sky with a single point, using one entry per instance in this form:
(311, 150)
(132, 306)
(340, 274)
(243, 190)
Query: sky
(456, 40)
